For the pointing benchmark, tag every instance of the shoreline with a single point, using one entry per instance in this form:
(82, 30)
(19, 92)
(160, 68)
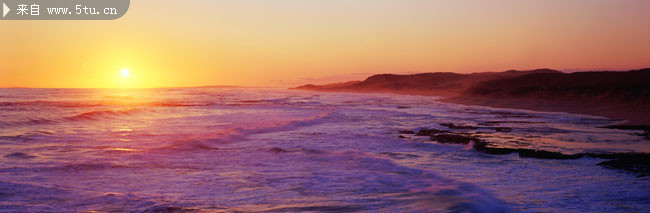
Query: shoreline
(629, 115)
(631, 118)
(622, 96)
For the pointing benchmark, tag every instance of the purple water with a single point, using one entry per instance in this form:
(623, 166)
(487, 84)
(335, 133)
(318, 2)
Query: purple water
(235, 149)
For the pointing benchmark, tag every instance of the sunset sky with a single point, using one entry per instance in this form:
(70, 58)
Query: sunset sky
(291, 42)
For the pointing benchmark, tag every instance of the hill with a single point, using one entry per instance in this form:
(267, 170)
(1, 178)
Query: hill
(441, 83)
(618, 95)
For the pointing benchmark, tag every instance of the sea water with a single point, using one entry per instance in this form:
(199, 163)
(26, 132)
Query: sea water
(251, 149)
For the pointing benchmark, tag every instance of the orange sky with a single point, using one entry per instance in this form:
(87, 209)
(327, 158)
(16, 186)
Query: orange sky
(292, 42)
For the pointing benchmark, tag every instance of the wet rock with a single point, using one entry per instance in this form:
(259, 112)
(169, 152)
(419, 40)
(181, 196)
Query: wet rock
(530, 153)
(454, 126)
(484, 147)
(635, 163)
(512, 114)
(430, 132)
(167, 208)
(492, 123)
(325, 208)
(644, 128)
(406, 132)
(452, 138)
(638, 163)
(628, 127)
(645, 134)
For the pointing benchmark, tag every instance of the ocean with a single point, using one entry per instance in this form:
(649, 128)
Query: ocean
(255, 149)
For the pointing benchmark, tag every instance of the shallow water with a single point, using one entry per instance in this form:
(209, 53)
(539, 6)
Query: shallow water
(232, 149)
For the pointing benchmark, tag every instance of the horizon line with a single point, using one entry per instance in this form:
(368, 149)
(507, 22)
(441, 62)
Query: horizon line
(397, 73)
(171, 87)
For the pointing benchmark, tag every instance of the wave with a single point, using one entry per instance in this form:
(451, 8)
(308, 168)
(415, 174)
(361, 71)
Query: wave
(25, 137)
(293, 100)
(30, 122)
(237, 134)
(86, 116)
(394, 187)
(19, 156)
(30, 197)
(40, 103)
(103, 114)
(64, 168)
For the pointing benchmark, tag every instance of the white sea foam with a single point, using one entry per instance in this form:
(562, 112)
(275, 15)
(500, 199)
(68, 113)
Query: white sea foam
(274, 150)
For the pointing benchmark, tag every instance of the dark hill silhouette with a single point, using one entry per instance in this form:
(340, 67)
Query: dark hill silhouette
(622, 86)
(619, 95)
(441, 83)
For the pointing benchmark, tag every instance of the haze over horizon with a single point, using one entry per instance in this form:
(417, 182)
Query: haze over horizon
(291, 42)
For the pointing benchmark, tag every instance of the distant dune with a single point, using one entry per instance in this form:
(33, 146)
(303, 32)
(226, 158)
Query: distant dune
(618, 95)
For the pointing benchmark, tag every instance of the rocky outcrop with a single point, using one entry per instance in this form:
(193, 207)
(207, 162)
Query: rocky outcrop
(637, 163)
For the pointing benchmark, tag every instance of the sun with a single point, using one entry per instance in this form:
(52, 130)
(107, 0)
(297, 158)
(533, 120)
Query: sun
(125, 72)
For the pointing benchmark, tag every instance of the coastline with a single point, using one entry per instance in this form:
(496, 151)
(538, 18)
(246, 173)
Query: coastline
(623, 96)
(631, 116)
(628, 114)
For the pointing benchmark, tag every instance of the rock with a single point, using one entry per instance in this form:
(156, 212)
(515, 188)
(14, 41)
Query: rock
(644, 128)
(492, 123)
(430, 132)
(635, 163)
(484, 147)
(628, 127)
(645, 134)
(452, 138)
(166, 208)
(638, 163)
(530, 153)
(454, 126)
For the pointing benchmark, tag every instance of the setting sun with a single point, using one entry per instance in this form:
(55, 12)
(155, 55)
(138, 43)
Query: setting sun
(125, 72)
(295, 106)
